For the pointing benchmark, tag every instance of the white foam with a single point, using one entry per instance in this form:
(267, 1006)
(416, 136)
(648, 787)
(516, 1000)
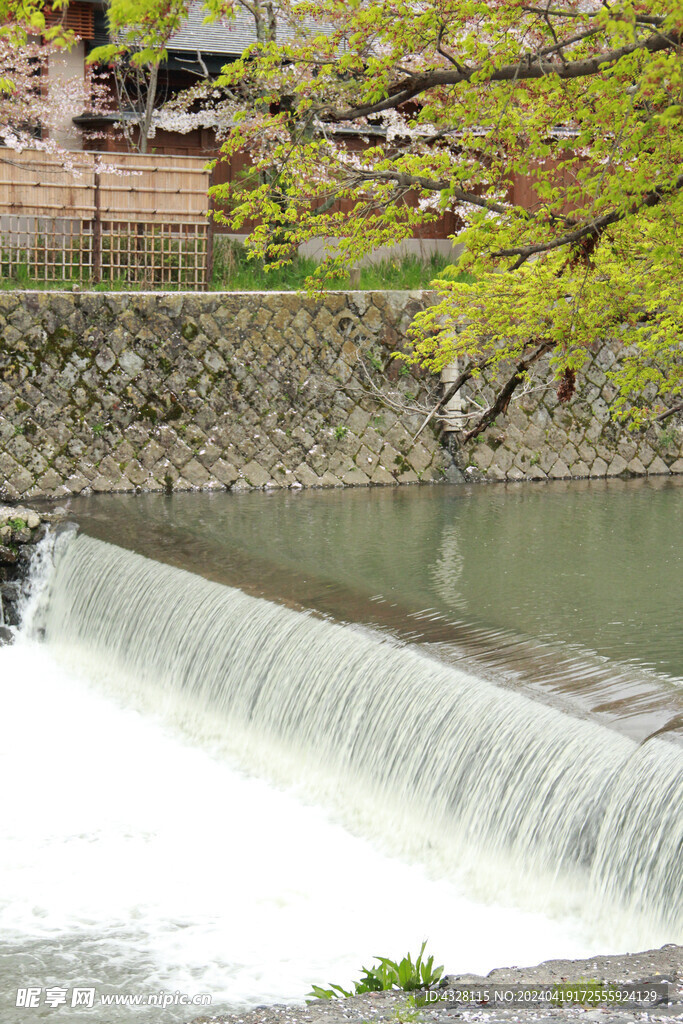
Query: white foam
(114, 827)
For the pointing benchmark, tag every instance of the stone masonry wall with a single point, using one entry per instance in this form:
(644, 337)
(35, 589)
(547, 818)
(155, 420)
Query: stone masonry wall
(539, 438)
(172, 391)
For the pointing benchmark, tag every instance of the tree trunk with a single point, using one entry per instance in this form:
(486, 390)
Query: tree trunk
(146, 122)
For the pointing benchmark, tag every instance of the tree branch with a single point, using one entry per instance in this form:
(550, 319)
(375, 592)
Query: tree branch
(452, 391)
(594, 227)
(669, 412)
(432, 185)
(522, 70)
(505, 394)
(640, 19)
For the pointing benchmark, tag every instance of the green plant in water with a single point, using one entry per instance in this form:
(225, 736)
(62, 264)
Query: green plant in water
(405, 974)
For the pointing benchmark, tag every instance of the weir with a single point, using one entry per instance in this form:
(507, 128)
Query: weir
(465, 771)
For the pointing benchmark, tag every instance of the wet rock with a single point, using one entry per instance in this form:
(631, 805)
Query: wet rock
(8, 556)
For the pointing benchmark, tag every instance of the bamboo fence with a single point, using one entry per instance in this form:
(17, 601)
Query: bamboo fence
(125, 218)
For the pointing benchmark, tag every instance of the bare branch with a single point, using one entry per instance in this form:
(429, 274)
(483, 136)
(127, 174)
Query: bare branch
(641, 19)
(452, 391)
(669, 412)
(447, 56)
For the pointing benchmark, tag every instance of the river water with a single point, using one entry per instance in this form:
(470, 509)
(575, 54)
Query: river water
(297, 730)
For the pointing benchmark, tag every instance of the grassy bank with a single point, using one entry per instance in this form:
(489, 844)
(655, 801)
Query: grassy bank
(233, 271)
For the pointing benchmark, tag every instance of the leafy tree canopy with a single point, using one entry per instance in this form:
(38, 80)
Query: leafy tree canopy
(454, 99)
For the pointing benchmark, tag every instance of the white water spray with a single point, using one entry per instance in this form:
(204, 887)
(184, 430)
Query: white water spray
(444, 765)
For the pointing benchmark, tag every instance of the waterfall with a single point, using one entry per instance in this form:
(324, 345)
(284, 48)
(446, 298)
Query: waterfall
(451, 763)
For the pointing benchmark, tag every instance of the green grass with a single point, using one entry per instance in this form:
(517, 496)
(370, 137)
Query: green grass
(233, 271)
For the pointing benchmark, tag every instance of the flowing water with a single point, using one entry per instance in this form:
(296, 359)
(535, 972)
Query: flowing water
(291, 732)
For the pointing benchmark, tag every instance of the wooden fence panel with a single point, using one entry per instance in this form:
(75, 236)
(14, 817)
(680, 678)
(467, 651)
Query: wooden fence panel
(130, 218)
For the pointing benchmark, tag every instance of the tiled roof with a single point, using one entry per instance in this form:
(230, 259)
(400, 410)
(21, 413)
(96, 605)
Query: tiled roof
(230, 37)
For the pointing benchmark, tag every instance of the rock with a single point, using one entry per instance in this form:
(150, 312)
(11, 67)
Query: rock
(355, 478)
(8, 556)
(658, 467)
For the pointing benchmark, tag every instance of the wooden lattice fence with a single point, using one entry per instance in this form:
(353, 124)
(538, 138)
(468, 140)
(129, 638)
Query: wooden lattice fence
(127, 218)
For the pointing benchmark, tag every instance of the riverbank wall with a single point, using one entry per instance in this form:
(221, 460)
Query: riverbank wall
(178, 391)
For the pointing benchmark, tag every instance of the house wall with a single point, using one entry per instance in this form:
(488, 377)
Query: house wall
(66, 94)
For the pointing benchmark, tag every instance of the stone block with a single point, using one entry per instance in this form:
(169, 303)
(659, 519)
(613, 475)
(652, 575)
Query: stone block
(131, 363)
(658, 467)
(179, 454)
(21, 481)
(306, 477)
(49, 481)
(195, 473)
(136, 473)
(366, 460)
(419, 458)
(502, 458)
(74, 483)
(151, 454)
(547, 461)
(636, 467)
(355, 478)
(482, 455)
(382, 478)
(102, 484)
(255, 474)
(559, 470)
(617, 466)
(358, 421)
(330, 480)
